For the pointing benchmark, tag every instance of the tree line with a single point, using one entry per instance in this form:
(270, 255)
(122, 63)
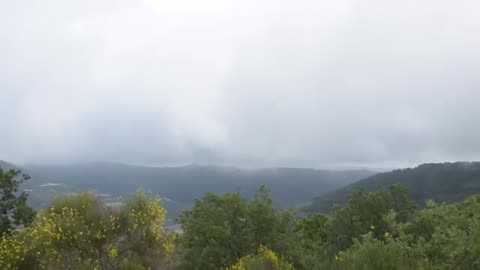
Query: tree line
(383, 229)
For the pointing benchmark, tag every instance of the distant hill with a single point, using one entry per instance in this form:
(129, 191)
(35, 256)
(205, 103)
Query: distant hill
(7, 166)
(180, 186)
(438, 181)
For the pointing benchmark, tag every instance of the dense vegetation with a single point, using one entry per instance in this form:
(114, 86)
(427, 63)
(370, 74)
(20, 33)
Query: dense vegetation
(14, 211)
(80, 232)
(445, 182)
(373, 230)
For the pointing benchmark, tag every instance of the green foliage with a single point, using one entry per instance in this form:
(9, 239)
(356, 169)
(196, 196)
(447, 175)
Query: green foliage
(382, 230)
(221, 228)
(313, 227)
(14, 211)
(80, 232)
(308, 242)
(444, 182)
(265, 259)
(372, 253)
(145, 238)
(449, 234)
(373, 230)
(130, 265)
(365, 212)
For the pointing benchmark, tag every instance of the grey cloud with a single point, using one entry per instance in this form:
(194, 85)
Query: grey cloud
(270, 83)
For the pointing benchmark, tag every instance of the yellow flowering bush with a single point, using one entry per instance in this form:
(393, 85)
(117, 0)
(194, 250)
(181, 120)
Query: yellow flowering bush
(142, 219)
(13, 251)
(81, 232)
(264, 259)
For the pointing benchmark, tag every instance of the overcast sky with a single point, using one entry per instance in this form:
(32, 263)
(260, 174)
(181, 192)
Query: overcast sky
(248, 83)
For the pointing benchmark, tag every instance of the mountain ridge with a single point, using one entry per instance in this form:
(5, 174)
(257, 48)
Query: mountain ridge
(184, 184)
(447, 181)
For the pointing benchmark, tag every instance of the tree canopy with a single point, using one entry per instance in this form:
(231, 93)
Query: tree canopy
(444, 182)
(81, 232)
(14, 211)
(222, 228)
(373, 230)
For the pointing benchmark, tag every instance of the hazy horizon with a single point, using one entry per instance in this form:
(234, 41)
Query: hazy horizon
(374, 168)
(360, 84)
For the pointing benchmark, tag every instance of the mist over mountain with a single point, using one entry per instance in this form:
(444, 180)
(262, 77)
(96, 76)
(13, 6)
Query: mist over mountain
(217, 134)
(7, 166)
(180, 186)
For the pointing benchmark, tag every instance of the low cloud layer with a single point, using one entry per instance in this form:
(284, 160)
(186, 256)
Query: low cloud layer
(249, 83)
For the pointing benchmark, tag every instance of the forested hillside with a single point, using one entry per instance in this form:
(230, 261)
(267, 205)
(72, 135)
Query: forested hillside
(180, 186)
(7, 166)
(438, 181)
(373, 230)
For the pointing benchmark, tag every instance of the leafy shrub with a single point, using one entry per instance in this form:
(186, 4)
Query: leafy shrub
(81, 232)
(371, 253)
(265, 259)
